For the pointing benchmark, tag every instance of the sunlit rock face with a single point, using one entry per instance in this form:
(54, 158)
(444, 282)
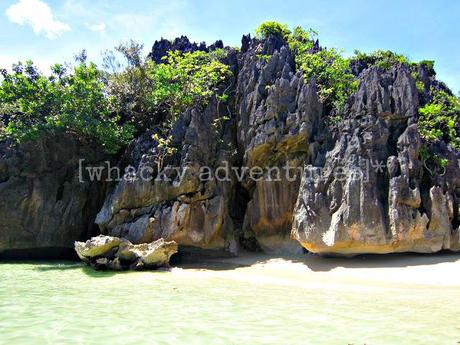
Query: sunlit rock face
(270, 118)
(174, 201)
(392, 203)
(279, 115)
(356, 186)
(107, 252)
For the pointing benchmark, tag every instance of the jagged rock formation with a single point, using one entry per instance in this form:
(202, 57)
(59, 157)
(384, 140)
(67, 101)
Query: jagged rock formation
(176, 204)
(163, 46)
(359, 186)
(278, 116)
(373, 195)
(43, 205)
(105, 252)
(278, 121)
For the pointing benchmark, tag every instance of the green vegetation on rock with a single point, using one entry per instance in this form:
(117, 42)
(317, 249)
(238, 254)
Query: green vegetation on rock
(384, 59)
(272, 28)
(148, 93)
(109, 104)
(432, 161)
(328, 67)
(429, 66)
(440, 119)
(332, 75)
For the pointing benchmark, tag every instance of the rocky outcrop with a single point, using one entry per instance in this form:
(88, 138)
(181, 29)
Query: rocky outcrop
(357, 188)
(278, 117)
(179, 199)
(390, 94)
(259, 169)
(373, 194)
(44, 207)
(106, 252)
(163, 46)
(269, 121)
(97, 247)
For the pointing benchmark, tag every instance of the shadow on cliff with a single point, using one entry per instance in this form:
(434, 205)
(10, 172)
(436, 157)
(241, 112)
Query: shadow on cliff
(318, 263)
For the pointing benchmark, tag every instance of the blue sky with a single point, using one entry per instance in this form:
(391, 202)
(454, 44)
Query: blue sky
(49, 31)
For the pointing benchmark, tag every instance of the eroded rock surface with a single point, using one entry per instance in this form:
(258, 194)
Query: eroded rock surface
(107, 252)
(359, 186)
(172, 201)
(374, 194)
(43, 203)
(271, 118)
(161, 48)
(278, 116)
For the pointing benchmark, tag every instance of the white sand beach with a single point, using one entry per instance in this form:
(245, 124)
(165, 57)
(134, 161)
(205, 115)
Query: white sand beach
(312, 271)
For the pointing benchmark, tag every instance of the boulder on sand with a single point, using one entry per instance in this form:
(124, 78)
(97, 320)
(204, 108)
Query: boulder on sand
(107, 252)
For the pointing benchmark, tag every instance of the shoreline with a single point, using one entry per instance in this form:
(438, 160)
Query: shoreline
(371, 271)
(312, 271)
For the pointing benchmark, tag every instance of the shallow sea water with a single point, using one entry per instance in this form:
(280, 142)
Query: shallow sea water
(67, 303)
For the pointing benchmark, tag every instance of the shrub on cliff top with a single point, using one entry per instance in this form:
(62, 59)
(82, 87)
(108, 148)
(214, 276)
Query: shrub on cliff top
(272, 28)
(332, 75)
(196, 76)
(429, 66)
(301, 41)
(328, 67)
(331, 71)
(384, 59)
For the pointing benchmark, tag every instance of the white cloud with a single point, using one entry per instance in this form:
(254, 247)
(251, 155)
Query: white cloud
(97, 27)
(39, 16)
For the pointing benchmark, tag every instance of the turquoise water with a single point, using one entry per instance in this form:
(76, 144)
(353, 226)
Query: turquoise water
(67, 303)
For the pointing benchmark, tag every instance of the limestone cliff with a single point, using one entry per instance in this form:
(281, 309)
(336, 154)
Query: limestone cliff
(396, 207)
(44, 207)
(361, 187)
